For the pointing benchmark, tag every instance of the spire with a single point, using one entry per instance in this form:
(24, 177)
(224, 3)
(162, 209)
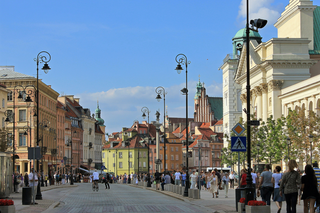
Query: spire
(98, 115)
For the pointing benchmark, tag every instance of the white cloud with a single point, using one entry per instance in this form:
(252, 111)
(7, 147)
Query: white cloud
(258, 9)
(121, 106)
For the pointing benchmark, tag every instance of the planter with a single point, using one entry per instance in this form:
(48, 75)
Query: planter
(8, 209)
(241, 208)
(260, 209)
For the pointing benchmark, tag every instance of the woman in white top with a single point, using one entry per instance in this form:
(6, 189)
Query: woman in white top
(214, 184)
(276, 177)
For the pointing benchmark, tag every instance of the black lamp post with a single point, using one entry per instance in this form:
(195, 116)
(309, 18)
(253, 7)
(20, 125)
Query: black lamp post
(288, 143)
(182, 59)
(145, 110)
(258, 23)
(161, 91)
(42, 57)
(71, 181)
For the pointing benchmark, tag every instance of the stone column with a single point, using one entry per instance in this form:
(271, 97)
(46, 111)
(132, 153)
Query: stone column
(264, 89)
(274, 87)
(258, 93)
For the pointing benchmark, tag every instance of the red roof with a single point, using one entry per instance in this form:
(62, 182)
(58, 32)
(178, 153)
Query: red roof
(206, 132)
(220, 122)
(177, 130)
(70, 112)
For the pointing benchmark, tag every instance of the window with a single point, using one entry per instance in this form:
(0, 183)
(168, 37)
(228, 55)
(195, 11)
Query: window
(23, 95)
(113, 154)
(130, 164)
(130, 154)
(3, 103)
(114, 164)
(172, 157)
(120, 164)
(177, 149)
(172, 166)
(22, 139)
(9, 96)
(144, 164)
(103, 155)
(155, 150)
(177, 157)
(166, 157)
(144, 154)
(25, 167)
(22, 115)
(155, 159)
(171, 149)
(139, 154)
(120, 155)
(160, 147)
(2, 123)
(177, 166)
(160, 156)
(140, 164)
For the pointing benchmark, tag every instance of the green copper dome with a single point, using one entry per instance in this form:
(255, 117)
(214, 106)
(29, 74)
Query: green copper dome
(243, 33)
(98, 116)
(199, 87)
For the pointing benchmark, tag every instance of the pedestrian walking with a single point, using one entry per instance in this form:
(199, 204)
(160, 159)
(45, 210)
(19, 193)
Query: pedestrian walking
(183, 178)
(243, 182)
(231, 178)
(214, 184)
(26, 180)
(225, 182)
(266, 186)
(33, 180)
(309, 188)
(290, 181)
(177, 176)
(63, 178)
(107, 180)
(193, 178)
(276, 179)
(166, 180)
(254, 183)
(157, 178)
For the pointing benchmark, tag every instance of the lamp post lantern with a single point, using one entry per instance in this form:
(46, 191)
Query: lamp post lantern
(161, 91)
(182, 59)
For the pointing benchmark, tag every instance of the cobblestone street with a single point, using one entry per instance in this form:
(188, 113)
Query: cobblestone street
(121, 198)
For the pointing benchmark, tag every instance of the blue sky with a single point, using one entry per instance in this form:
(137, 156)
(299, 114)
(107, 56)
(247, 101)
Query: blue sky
(119, 51)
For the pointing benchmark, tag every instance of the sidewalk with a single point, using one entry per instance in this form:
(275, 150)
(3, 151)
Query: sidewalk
(42, 204)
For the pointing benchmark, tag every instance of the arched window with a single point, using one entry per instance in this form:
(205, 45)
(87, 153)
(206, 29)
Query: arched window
(3, 103)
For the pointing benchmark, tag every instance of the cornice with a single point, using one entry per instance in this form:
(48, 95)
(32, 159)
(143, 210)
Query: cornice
(289, 63)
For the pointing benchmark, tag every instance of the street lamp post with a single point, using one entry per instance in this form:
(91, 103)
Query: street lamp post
(311, 141)
(182, 59)
(42, 57)
(258, 23)
(71, 181)
(161, 91)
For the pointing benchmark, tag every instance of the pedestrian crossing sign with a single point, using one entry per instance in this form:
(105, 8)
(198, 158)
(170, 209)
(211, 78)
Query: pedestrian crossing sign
(238, 144)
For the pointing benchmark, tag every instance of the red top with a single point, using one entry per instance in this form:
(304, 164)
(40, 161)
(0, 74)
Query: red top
(243, 179)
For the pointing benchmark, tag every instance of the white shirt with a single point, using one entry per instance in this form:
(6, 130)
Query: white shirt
(177, 175)
(254, 177)
(231, 176)
(95, 176)
(193, 178)
(31, 179)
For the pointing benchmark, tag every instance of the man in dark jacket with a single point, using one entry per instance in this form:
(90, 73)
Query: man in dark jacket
(157, 178)
(107, 180)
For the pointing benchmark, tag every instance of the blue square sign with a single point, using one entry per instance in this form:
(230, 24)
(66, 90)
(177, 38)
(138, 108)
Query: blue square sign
(238, 144)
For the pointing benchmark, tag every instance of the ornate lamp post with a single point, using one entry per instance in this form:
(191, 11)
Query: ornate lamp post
(71, 142)
(127, 143)
(182, 59)
(162, 92)
(42, 57)
(145, 110)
